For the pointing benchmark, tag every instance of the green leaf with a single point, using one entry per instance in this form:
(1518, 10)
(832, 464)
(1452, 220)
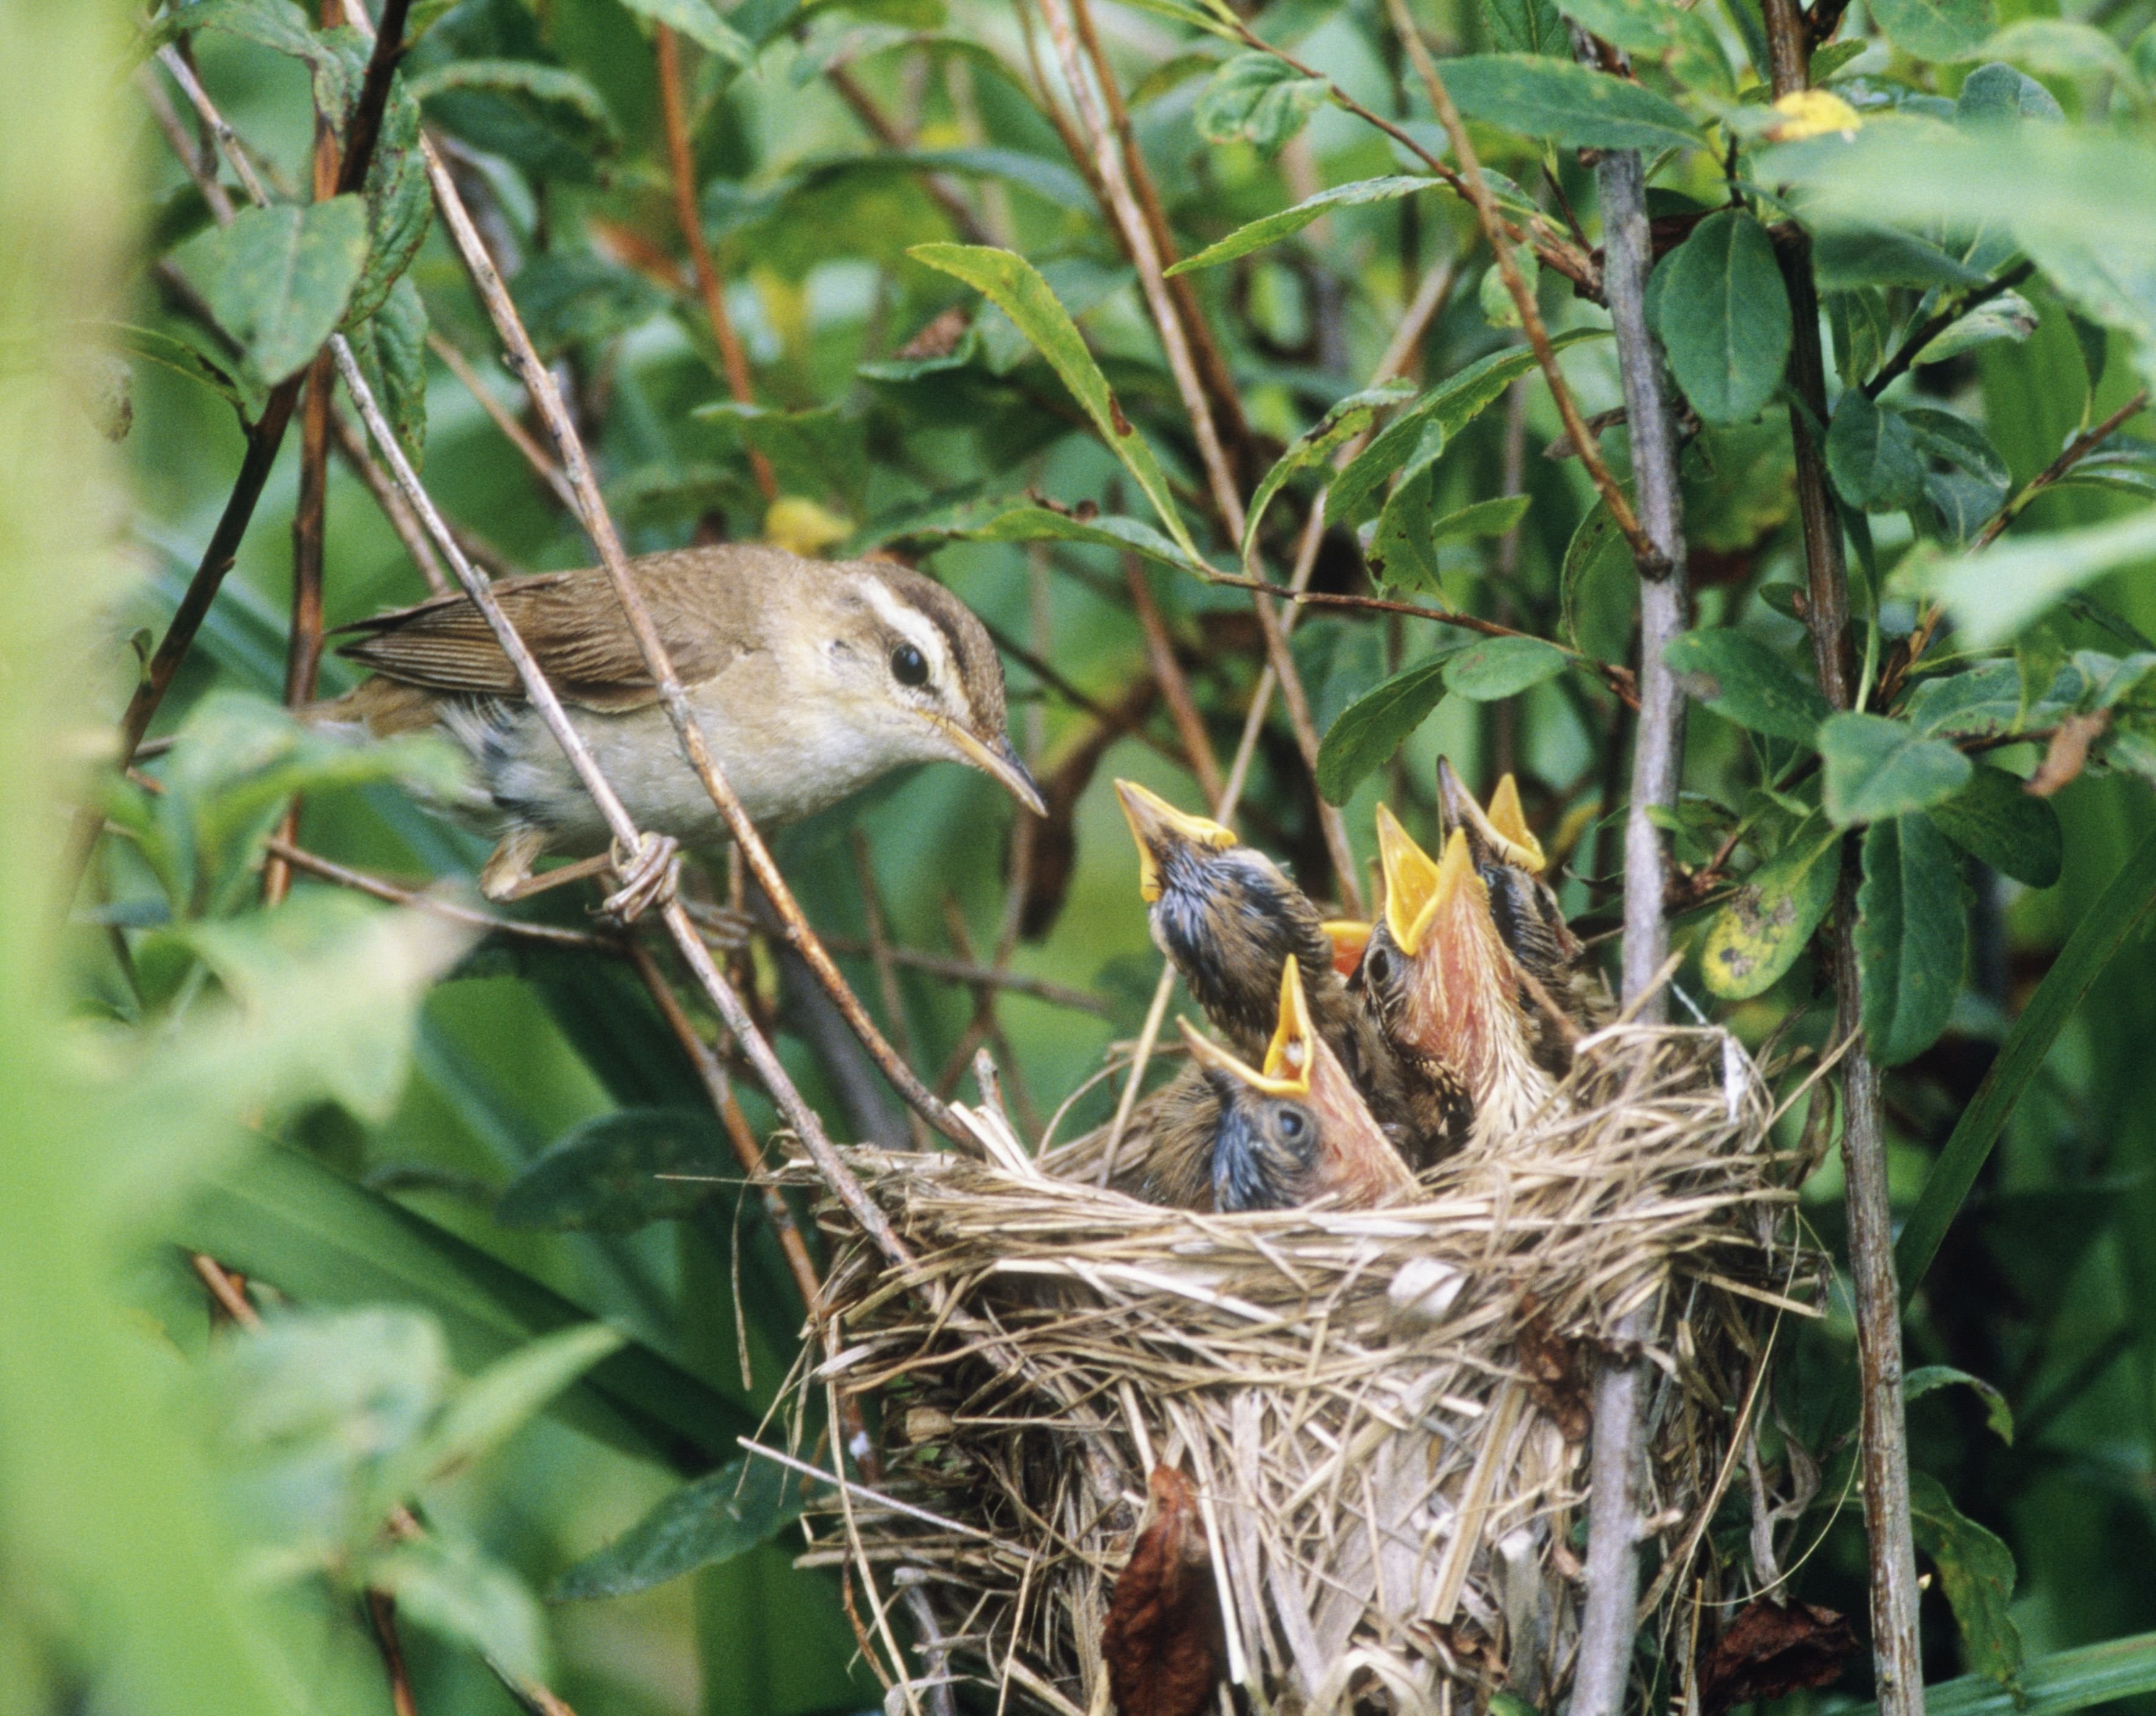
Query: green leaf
(572, 298)
(605, 1176)
(1565, 102)
(1849, 257)
(700, 22)
(454, 1590)
(1757, 935)
(1745, 680)
(1271, 229)
(1497, 668)
(281, 1216)
(1877, 769)
(2060, 47)
(550, 121)
(1040, 524)
(1997, 1413)
(1598, 566)
(1416, 438)
(1403, 547)
(1372, 728)
(1015, 287)
(1257, 99)
(277, 280)
(1977, 1572)
(2008, 316)
(1993, 595)
(1994, 818)
(821, 450)
(1723, 315)
(1681, 40)
(400, 204)
(1872, 455)
(1999, 94)
(1956, 440)
(1483, 518)
(174, 350)
(1937, 29)
(747, 1501)
(1347, 418)
(2103, 931)
(391, 348)
(272, 23)
(1912, 936)
(1527, 27)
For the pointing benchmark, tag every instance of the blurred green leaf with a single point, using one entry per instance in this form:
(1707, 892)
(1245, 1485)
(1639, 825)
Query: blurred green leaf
(698, 20)
(1871, 453)
(570, 298)
(1723, 315)
(1565, 102)
(1683, 41)
(1977, 1572)
(548, 119)
(1271, 229)
(1526, 27)
(1257, 99)
(2056, 1685)
(1912, 936)
(452, 1588)
(1497, 668)
(1371, 728)
(1997, 1413)
(616, 1173)
(1040, 524)
(824, 450)
(1993, 818)
(747, 1501)
(2062, 47)
(174, 350)
(1993, 593)
(1756, 937)
(1877, 769)
(1998, 95)
(1017, 289)
(277, 279)
(1937, 29)
(1744, 681)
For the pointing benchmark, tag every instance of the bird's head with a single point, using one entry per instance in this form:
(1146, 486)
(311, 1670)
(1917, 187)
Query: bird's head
(1295, 1129)
(914, 671)
(1175, 848)
(1510, 862)
(1437, 972)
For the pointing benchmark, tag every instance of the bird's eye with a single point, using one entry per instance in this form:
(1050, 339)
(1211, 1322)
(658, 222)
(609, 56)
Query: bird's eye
(1293, 1125)
(909, 666)
(1377, 965)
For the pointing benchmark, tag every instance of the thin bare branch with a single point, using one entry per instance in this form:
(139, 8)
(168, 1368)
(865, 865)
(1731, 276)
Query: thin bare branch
(381, 888)
(505, 419)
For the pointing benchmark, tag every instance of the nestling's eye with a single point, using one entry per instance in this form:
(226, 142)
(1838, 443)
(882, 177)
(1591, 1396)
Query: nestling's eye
(909, 666)
(1377, 965)
(1293, 1123)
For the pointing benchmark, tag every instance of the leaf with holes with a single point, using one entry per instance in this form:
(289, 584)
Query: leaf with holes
(277, 280)
(747, 1501)
(1993, 818)
(1402, 551)
(1723, 315)
(1757, 935)
(1877, 769)
(1744, 681)
(1372, 728)
(1912, 936)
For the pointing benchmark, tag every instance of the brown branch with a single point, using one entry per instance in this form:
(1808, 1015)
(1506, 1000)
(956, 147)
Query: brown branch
(1174, 686)
(733, 361)
(382, 1616)
(1932, 327)
(2076, 450)
(1645, 554)
(1896, 1652)
(381, 888)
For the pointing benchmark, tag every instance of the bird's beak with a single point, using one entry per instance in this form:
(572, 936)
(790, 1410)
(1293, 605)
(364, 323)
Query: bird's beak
(1502, 831)
(1156, 823)
(1289, 1058)
(1349, 936)
(1410, 883)
(998, 759)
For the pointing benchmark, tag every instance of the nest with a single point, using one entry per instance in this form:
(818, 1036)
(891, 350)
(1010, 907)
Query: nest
(1382, 1413)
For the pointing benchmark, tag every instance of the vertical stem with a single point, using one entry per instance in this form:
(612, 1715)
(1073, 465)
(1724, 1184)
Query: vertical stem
(1897, 1653)
(1609, 1619)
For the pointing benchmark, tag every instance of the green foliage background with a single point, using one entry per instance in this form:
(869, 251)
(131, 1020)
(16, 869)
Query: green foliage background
(335, 1098)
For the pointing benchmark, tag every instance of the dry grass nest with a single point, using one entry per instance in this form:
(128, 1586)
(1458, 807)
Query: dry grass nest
(1382, 1413)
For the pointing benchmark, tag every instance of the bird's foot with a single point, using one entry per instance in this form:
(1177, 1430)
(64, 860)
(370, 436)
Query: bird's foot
(648, 878)
(724, 929)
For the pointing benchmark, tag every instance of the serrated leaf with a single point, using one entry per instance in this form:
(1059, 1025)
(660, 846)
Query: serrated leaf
(1977, 1572)
(607, 1175)
(1015, 287)
(1538, 96)
(1257, 99)
(1876, 768)
(1937, 29)
(277, 279)
(1994, 819)
(1872, 455)
(1723, 315)
(1272, 229)
(1912, 936)
(700, 22)
(391, 349)
(1757, 935)
(747, 1501)
(1928, 1378)
(1372, 728)
(1497, 668)
(1347, 418)
(1744, 681)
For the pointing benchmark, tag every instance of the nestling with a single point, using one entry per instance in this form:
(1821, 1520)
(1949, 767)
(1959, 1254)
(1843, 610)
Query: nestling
(809, 678)
(1441, 981)
(1225, 1136)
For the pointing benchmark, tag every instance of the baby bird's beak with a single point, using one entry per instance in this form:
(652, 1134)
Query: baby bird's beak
(1289, 1058)
(1158, 828)
(998, 759)
(1411, 899)
(1501, 833)
(1349, 936)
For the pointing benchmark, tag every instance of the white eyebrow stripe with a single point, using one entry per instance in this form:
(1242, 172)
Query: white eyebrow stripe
(923, 633)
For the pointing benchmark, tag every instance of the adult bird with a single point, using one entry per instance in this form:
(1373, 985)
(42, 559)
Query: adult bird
(1229, 920)
(1293, 1131)
(1443, 985)
(1511, 863)
(809, 680)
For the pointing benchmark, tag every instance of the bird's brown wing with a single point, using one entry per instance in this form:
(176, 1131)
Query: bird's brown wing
(703, 602)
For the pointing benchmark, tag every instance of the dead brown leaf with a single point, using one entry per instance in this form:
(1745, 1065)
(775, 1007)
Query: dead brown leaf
(1555, 1381)
(939, 338)
(1770, 1649)
(2067, 754)
(1161, 1641)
